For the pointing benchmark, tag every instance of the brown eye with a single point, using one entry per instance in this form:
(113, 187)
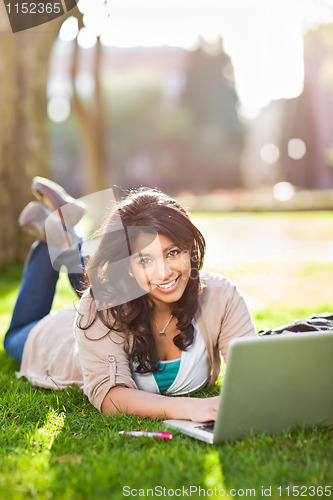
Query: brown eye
(174, 253)
(145, 261)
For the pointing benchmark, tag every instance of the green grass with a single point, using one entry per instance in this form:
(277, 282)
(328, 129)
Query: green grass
(55, 445)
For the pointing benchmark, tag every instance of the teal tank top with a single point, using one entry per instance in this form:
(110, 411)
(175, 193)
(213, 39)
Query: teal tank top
(167, 373)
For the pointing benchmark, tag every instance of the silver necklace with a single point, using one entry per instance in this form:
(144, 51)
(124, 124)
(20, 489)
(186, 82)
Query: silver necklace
(162, 332)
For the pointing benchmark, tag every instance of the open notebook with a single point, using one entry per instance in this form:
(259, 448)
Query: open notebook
(271, 384)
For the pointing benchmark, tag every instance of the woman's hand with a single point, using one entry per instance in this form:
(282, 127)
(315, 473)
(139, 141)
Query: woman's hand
(202, 409)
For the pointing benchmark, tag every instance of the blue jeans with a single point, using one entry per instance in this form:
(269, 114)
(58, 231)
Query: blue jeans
(35, 297)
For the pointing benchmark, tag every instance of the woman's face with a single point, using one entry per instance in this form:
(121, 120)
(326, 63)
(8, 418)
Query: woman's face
(161, 268)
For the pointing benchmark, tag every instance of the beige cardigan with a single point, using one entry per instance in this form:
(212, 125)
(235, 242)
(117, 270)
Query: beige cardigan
(96, 360)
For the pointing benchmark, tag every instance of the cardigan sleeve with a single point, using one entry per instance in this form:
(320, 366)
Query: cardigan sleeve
(102, 355)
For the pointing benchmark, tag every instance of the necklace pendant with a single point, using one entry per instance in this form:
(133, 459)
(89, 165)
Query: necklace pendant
(162, 333)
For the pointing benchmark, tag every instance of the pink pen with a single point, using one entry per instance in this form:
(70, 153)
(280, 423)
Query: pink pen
(156, 435)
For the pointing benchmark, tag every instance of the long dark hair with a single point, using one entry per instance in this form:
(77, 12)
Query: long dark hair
(154, 213)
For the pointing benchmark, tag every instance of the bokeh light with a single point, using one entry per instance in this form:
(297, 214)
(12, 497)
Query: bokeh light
(69, 29)
(270, 153)
(283, 191)
(296, 148)
(83, 5)
(59, 108)
(86, 39)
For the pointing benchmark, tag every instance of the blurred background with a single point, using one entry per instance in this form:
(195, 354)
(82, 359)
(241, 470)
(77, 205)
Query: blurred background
(227, 105)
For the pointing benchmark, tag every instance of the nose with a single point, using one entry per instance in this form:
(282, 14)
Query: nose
(163, 270)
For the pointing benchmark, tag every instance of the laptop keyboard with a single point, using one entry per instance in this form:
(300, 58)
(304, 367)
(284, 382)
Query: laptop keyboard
(208, 426)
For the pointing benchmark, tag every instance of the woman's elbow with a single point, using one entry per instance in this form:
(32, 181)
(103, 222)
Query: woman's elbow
(112, 401)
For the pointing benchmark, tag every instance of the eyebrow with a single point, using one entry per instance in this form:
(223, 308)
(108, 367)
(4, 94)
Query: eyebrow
(170, 247)
(139, 255)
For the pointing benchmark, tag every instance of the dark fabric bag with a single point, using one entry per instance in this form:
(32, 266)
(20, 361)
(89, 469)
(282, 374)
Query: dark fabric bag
(315, 322)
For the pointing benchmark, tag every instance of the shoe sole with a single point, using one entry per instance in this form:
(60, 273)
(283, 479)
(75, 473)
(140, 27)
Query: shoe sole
(44, 188)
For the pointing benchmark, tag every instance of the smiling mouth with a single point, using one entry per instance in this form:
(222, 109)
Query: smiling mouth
(169, 285)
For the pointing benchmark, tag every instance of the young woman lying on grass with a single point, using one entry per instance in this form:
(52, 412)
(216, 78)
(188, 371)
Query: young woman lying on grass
(150, 323)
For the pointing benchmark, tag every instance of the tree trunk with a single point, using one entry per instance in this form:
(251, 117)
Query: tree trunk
(24, 134)
(91, 125)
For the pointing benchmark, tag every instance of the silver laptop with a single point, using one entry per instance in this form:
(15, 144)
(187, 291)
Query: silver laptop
(271, 383)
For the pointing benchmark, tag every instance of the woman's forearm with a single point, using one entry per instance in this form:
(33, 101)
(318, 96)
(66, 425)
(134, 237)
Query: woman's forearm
(145, 404)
